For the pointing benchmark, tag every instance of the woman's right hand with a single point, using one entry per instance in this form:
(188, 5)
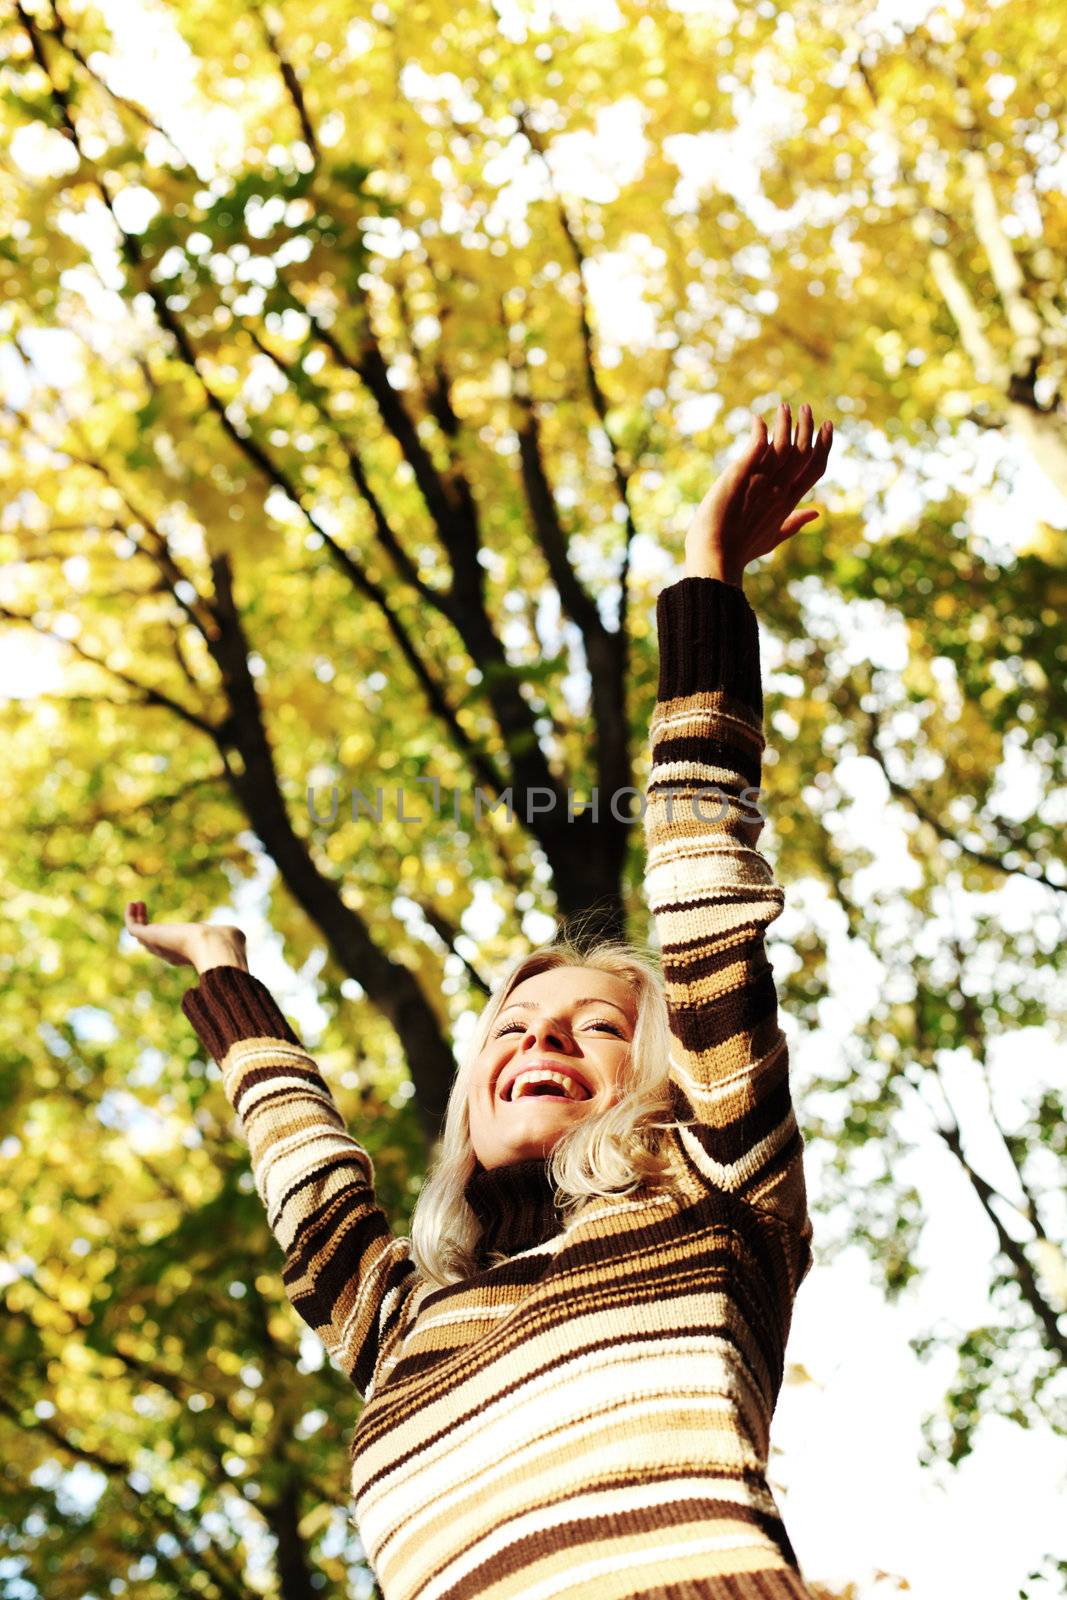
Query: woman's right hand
(749, 509)
(187, 944)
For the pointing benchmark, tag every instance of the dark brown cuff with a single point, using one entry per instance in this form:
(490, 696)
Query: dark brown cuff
(229, 1004)
(708, 639)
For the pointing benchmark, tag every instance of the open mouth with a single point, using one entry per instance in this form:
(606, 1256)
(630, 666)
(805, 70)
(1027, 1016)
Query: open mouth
(545, 1084)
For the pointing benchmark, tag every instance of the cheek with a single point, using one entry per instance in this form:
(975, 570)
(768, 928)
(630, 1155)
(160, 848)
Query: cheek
(622, 1072)
(479, 1105)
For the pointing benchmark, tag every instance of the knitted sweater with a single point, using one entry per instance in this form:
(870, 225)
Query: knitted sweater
(589, 1417)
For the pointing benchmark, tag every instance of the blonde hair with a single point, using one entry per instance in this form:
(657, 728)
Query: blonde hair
(613, 1152)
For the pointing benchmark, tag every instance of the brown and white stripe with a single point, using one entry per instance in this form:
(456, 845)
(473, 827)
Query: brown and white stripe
(591, 1416)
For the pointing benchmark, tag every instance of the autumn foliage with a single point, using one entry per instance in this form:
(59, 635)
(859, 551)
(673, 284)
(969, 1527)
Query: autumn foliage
(353, 410)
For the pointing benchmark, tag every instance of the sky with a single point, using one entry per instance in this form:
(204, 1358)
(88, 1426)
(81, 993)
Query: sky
(845, 1465)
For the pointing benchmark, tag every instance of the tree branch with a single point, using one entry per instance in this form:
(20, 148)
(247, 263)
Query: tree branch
(62, 36)
(481, 763)
(464, 602)
(870, 746)
(987, 364)
(389, 984)
(292, 87)
(88, 820)
(597, 398)
(228, 1583)
(158, 551)
(145, 694)
(973, 1029)
(605, 650)
(449, 934)
(1010, 1248)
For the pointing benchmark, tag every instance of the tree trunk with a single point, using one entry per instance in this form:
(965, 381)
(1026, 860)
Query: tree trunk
(294, 1571)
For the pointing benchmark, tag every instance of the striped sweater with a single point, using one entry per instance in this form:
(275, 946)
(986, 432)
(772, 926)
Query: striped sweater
(590, 1416)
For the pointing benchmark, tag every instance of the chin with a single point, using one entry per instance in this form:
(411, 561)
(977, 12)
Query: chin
(537, 1146)
(538, 1138)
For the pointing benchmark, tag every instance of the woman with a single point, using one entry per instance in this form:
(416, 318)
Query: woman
(569, 1370)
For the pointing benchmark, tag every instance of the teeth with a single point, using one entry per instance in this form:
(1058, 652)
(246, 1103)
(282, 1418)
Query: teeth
(526, 1080)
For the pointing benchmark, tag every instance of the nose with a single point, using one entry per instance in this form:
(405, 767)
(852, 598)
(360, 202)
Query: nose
(548, 1033)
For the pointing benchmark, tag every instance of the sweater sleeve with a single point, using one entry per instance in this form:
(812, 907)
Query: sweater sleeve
(712, 896)
(344, 1272)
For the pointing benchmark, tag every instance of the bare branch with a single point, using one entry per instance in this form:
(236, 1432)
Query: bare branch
(973, 1029)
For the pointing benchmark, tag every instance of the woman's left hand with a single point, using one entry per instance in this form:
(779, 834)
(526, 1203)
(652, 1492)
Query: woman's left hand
(749, 509)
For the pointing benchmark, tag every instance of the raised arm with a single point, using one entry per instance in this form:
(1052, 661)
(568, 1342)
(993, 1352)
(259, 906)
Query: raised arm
(710, 891)
(344, 1272)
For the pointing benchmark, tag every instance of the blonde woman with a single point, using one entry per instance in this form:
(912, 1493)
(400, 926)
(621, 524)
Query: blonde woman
(569, 1369)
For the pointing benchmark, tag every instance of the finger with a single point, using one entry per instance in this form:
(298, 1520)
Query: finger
(788, 527)
(741, 470)
(782, 426)
(789, 471)
(815, 465)
(757, 443)
(797, 520)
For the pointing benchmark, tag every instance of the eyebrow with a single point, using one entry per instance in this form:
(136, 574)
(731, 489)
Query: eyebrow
(586, 1000)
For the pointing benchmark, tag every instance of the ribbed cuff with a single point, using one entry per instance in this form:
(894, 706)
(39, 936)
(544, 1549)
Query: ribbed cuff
(708, 639)
(228, 1005)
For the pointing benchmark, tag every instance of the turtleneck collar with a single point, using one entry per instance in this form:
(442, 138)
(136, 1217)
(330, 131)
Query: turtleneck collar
(514, 1204)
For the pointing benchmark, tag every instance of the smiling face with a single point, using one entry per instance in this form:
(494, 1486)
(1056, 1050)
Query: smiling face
(570, 1023)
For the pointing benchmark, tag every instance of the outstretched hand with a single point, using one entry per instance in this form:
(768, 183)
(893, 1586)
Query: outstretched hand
(749, 509)
(187, 944)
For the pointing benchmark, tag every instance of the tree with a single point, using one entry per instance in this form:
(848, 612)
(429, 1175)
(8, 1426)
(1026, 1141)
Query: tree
(350, 371)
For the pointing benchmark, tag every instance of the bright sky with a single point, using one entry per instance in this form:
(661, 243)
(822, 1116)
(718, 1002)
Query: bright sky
(856, 1503)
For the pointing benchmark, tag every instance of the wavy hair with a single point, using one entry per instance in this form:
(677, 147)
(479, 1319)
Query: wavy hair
(613, 1152)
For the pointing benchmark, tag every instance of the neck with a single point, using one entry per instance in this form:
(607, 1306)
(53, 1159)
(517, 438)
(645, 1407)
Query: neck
(515, 1205)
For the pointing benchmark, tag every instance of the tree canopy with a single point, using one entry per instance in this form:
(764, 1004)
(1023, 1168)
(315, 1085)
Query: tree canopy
(350, 427)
